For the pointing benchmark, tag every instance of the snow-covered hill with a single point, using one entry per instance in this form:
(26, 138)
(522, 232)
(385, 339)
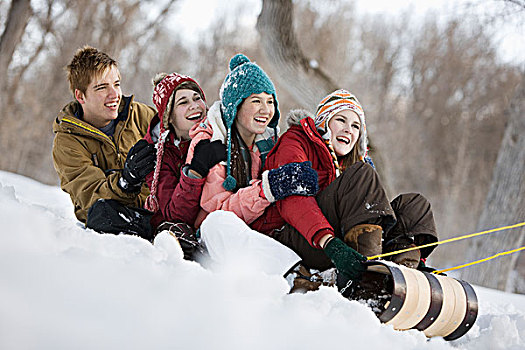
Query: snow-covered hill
(64, 287)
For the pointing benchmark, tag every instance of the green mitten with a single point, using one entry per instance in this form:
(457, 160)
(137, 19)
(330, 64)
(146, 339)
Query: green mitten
(346, 260)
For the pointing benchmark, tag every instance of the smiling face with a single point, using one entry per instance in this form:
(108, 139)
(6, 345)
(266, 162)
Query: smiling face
(188, 109)
(102, 98)
(254, 115)
(344, 127)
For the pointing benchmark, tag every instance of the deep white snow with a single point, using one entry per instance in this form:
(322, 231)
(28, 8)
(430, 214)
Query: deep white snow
(65, 287)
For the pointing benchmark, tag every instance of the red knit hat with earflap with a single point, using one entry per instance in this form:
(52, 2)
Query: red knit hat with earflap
(162, 99)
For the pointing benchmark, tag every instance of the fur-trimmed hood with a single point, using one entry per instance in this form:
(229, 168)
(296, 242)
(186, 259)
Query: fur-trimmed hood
(295, 116)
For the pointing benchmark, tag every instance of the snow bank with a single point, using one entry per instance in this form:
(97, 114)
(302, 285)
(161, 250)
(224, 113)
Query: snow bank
(64, 287)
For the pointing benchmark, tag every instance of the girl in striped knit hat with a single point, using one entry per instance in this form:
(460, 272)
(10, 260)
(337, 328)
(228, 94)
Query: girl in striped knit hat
(347, 219)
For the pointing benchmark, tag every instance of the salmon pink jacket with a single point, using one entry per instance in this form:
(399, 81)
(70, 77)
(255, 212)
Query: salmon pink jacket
(247, 203)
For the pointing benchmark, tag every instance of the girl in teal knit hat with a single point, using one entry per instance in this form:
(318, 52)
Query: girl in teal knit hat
(244, 80)
(246, 120)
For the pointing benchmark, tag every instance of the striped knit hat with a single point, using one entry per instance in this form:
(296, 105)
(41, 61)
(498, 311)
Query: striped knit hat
(163, 95)
(329, 106)
(245, 78)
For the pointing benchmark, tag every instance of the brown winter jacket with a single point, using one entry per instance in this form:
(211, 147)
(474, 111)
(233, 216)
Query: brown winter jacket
(89, 163)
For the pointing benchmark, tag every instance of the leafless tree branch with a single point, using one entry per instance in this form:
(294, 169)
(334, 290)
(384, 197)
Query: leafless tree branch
(297, 73)
(19, 13)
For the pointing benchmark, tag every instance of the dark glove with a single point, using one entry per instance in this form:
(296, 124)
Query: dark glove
(290, 179)
(347, 261)
(206, 155)
(422, 267)
(187, 238)
(139, 163)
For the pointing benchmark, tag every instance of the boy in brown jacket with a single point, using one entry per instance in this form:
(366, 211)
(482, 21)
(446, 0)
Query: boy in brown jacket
(96, 150)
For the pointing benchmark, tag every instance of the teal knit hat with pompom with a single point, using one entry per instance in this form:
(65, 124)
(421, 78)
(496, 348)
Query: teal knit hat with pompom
(245, 78)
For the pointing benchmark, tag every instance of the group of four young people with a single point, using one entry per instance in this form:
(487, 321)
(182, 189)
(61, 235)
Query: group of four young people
(313, 189)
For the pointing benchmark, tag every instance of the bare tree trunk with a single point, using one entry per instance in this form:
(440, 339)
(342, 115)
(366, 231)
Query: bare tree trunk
(452, 212)
(505, 204)
(275, 26)
(16, 22)
(300, 76)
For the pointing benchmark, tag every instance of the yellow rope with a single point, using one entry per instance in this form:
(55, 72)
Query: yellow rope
(448, 240)
(480, 261)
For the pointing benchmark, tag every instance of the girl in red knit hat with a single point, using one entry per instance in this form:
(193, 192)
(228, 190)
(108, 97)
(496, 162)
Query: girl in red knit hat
(175, 186)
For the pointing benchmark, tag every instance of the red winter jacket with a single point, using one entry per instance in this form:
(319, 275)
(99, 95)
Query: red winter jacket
(178, 194)
(301, 142)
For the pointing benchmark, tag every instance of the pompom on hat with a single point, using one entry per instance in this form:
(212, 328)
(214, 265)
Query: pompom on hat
(163, 95)
(334, 103)
(245, 78)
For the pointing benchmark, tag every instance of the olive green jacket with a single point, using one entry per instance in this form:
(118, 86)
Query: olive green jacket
(89, 163)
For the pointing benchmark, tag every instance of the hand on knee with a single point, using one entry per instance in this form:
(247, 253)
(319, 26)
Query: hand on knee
(347, 261)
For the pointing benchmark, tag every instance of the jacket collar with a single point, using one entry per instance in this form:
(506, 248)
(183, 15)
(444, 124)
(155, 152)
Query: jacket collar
(70, 118)
(295, 116)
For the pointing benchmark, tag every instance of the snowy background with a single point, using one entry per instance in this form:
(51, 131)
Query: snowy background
(64, 287)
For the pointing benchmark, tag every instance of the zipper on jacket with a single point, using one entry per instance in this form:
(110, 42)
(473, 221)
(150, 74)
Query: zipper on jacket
(95, 159)
(124, 117)
(320, 141)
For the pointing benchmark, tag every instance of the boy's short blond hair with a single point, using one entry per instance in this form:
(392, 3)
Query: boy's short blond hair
(87, 64)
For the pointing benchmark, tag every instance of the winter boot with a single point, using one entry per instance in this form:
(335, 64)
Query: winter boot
(365, 238)
(409, 259)
(303, 280)
(186, 237)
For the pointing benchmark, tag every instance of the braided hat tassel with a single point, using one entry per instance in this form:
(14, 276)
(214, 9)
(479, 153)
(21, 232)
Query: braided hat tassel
(230, 182)
(152, 203)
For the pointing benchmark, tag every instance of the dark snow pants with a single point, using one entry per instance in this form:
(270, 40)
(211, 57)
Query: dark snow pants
(357, 197)
(415, 224)
(110, 216)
